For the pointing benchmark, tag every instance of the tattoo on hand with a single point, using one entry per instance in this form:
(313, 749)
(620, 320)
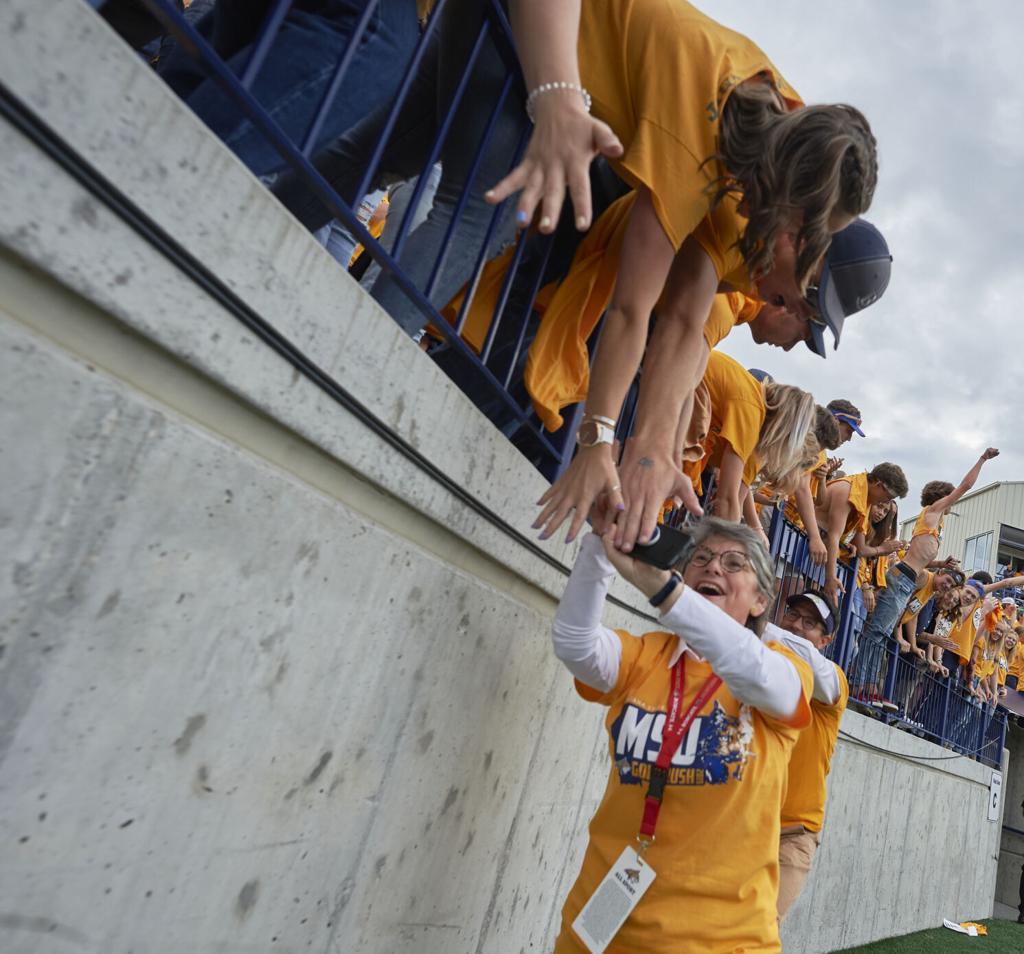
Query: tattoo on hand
(646, 462)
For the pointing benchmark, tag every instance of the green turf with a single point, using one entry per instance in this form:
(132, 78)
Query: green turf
(1004, 937)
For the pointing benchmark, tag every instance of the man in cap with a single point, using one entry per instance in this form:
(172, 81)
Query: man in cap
(854, 274)
(848, 417)
(809, 622)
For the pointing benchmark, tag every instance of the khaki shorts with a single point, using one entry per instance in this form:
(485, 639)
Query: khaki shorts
(797, 846)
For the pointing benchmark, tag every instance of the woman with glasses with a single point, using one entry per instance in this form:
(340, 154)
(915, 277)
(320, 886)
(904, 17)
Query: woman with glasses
(701, 716)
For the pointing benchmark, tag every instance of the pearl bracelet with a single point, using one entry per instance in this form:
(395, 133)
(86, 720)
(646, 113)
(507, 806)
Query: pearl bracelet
(550, 87)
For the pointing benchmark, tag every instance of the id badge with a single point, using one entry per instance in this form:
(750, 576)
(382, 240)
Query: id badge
(613, 901)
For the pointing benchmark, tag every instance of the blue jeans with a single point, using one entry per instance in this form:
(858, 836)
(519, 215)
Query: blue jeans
(298, 69)
(891, 602)
(343, 163)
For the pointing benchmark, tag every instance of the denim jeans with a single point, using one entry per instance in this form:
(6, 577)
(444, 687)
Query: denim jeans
(343, 163)
(338, 240)
(399, 199)
(297, 70)
(891, 602)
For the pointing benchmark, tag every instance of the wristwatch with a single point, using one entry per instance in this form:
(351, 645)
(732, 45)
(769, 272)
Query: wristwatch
(592, 432)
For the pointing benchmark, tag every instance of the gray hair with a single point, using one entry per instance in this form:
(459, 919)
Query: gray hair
(753, 547)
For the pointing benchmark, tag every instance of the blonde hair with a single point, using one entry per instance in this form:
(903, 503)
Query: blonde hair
(787, 447)
(793, 169)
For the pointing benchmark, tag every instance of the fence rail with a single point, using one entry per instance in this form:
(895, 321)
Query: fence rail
(917, 701)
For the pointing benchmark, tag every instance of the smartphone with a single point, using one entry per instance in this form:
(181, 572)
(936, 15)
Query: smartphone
(665, 549)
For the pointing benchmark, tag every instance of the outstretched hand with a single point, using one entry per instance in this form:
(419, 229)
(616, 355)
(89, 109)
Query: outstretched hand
(565, 140)
(834, 589)
(648, 480)
(590, 478)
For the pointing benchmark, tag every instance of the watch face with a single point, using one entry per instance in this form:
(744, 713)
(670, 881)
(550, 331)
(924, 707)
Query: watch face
(589, 433)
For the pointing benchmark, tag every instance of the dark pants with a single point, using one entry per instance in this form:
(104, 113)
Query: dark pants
(1020, 909)
(297, 71)
(343, 163)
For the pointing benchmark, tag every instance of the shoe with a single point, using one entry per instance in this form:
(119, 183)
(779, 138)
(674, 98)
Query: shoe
(888, 705)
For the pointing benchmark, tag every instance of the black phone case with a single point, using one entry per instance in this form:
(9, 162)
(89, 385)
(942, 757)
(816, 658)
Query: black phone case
(666, 549)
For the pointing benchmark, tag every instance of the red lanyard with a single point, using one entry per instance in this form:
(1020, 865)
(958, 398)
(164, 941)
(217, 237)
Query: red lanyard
(671, 736)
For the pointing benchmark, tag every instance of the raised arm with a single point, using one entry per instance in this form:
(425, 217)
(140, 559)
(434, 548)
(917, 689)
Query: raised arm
(565, 138)
(966, 484)
(590, 651)
(754, 673)
(1004, 584)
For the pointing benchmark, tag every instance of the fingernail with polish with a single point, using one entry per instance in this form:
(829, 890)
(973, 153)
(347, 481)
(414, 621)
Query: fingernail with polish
(620, 507)
(489, 194)
(521, 218)
(545, 223)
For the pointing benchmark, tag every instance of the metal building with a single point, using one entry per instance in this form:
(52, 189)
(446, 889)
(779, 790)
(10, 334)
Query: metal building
(985, 530)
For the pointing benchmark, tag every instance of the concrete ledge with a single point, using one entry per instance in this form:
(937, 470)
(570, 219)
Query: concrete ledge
(906, 842)
(116, 113)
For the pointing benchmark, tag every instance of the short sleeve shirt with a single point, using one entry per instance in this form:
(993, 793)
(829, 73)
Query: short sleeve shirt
(737, 412)
(667, 117)
(724, 788)
(728, 311)
(811, 761)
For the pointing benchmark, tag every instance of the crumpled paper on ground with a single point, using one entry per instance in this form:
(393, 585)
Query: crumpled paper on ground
(970, 928)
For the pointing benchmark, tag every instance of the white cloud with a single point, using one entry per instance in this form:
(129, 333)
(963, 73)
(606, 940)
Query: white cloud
(934, 365)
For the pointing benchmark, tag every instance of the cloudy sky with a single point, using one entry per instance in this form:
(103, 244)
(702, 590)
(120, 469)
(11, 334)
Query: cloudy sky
(936, 366)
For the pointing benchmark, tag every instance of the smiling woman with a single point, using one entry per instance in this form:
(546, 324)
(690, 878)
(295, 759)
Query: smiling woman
(702, 716)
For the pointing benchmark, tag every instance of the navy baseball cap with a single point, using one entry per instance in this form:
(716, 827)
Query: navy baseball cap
(856, 273)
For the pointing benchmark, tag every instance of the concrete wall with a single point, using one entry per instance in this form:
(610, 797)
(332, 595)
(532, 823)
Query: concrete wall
(1011, 849)
(266, 685)
(907, 842)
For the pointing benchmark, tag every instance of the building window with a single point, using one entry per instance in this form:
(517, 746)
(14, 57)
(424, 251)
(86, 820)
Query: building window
(977, 551)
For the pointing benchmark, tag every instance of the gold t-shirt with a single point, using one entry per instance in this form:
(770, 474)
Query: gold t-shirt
(724, 790)
(660, 73)
(810, 763)
(737, 413)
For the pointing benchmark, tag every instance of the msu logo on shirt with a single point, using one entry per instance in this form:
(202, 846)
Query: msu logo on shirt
(715, 749)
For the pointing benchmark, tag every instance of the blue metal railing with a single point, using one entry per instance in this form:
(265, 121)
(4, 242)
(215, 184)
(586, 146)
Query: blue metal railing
(902, 692)
(486, 375)
(934, 708)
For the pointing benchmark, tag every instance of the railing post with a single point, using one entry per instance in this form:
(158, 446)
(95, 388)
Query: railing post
(945, 709)
(890, 677)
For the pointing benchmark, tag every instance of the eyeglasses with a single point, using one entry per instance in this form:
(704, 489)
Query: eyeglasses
(804, 618)
(732, 561)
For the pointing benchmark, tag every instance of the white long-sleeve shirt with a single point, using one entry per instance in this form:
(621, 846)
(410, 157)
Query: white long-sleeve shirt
(826, 675)
(592, 652)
